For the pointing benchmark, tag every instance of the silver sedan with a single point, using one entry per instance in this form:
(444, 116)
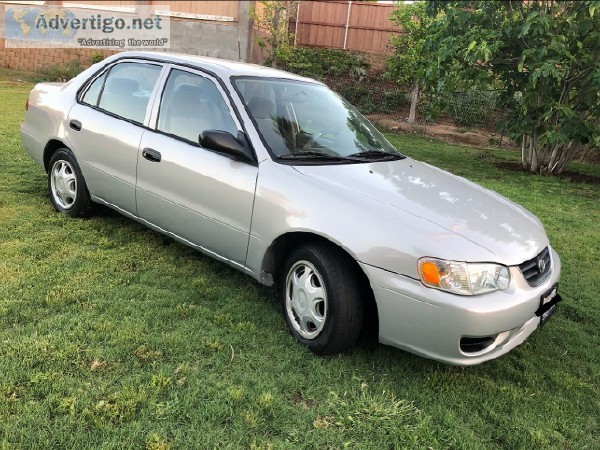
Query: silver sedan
(281, 178)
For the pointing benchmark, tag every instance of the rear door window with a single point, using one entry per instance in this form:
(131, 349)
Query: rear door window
(125, 91)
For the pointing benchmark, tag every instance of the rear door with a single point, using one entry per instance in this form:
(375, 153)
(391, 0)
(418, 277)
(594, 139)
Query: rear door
(105, 127)
(197, 194)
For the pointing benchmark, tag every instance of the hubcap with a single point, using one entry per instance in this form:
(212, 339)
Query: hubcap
(306, 299)
(63, 184)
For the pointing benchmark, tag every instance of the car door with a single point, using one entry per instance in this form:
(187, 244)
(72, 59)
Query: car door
(199, 195)
(105, 127)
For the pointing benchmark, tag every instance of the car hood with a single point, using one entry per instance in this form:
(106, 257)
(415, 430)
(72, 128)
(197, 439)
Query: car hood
(508, 232)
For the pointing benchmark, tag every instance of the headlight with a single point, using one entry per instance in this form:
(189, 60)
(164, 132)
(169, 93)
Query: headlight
(463, 278)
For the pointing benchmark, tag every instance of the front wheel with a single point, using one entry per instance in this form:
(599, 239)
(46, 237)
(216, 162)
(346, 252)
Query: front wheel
(68, 191)
(321, 298)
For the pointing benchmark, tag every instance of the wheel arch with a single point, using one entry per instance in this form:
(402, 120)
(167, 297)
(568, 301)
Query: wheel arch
(49, 149)
(283, 245)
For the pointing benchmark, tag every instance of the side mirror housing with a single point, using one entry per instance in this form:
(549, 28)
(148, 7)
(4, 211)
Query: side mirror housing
(224, 142)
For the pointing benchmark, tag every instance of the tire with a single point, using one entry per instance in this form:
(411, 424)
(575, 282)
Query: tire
(68, 192)
(320, 297)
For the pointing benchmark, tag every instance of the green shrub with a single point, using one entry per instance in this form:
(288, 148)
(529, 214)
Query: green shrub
(96, 58)
(346, 73)
(393, 100)
(358, 95)
(371, 95)
(63, 72)
(323, 62)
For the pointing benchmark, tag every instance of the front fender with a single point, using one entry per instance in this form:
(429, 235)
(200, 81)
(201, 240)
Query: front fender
(372, 232)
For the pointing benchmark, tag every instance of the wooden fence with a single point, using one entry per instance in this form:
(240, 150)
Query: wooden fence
(348, 25)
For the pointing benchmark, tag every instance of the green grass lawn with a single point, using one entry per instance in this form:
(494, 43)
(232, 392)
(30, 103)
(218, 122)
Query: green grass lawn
(113, 336)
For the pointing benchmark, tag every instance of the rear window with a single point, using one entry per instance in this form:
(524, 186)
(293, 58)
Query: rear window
(125, 90)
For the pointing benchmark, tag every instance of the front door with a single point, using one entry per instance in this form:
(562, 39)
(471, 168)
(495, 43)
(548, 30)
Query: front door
(201, 196)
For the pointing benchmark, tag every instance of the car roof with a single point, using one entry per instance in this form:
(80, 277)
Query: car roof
(222, 67)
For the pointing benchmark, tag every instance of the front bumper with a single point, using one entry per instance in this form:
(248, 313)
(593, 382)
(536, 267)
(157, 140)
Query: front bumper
(431, 323)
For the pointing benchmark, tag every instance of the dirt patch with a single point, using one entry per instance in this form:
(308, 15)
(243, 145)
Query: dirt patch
(299, 400)
(570, 175)
(377, 62)
(446, 131)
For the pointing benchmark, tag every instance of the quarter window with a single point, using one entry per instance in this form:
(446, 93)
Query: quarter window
(126, 90)
(93, 93)
(192, 104)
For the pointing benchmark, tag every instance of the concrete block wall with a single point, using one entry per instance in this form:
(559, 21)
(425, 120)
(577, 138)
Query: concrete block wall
(230, 40)
(35, 59)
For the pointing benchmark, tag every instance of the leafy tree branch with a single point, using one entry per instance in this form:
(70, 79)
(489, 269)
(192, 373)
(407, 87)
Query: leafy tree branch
(546, 57)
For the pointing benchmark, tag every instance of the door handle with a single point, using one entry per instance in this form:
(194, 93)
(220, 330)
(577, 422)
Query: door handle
(151, 155)
(75, 124)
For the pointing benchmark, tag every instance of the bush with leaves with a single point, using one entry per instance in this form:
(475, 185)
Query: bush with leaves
(371, 97)
(546, 56)
(96, 58)
(272, 17)
(62, 72)
(323, 62)
(407, 65)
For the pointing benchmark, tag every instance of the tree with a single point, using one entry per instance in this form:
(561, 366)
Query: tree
(272, 17)
(409, 62)
(545, 54)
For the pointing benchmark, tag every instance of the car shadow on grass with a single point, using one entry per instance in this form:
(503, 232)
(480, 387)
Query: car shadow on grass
(395, 364)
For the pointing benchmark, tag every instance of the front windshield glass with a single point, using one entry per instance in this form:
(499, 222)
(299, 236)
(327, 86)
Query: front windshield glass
(299, 119)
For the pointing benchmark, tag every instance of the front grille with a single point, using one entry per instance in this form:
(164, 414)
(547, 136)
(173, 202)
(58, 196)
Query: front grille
(531, 268)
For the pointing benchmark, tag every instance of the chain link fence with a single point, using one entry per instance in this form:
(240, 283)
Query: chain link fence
(477, 108)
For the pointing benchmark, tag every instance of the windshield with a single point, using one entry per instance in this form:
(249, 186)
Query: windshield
(299, 120)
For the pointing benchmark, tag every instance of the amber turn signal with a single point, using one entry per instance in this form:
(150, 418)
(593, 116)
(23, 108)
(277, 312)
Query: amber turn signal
(430, 273)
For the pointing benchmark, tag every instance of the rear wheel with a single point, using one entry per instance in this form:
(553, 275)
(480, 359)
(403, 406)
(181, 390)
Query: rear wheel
(321, 299)
(68, 191)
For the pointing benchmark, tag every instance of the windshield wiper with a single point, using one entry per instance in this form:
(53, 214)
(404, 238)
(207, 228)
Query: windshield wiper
(371, 155)
(312, 154)
(376, 155)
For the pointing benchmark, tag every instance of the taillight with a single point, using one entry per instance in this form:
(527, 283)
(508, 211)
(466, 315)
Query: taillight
(27, 104)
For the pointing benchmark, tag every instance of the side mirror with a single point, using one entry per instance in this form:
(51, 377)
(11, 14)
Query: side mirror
(224, 142)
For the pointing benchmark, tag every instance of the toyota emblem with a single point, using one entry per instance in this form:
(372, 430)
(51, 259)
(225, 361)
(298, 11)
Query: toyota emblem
(541, 265)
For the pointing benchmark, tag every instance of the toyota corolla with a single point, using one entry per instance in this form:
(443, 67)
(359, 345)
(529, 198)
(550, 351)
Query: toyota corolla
(281, 178)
